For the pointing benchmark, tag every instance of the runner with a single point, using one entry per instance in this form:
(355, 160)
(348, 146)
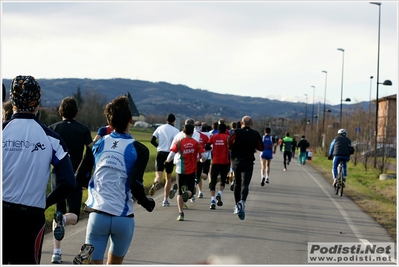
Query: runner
(243, 143)
(119, 163)
(303, 144)
(202, 167)
(164, 134)
(77, 137)
(29, 148)
(287, 150)
(188, 149)
(220, 163)
(266, 155)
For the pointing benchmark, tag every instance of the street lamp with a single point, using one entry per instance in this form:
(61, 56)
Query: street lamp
(342, 86)
(345, 100)
(386, 82)
(324, 107)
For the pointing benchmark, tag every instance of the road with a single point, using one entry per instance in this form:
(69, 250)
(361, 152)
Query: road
(297, 206)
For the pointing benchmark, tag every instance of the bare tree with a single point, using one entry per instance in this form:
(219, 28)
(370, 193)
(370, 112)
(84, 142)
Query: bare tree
(92, 111)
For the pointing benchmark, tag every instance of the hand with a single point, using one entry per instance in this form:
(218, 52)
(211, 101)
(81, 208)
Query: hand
(330, 157)
(148, 204)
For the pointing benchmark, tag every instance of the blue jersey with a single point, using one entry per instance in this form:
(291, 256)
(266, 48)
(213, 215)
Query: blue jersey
(268, 143)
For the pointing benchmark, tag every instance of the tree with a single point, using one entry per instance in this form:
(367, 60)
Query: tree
(92, 111)
(78, 96)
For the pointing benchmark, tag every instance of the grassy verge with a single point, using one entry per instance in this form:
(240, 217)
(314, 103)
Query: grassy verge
(375, 197)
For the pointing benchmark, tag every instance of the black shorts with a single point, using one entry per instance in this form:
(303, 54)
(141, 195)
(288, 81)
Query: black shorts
(160, 160)
(23, 233)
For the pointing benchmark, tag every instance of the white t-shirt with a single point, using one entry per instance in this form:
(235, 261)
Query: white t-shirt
(165, 134)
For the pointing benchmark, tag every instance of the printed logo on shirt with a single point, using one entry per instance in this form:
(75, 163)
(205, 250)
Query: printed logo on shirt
(188, 148)
(115, 145)
(37, 146)
(19, 145)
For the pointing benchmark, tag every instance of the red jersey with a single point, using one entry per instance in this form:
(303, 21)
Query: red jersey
(189, 148)
(220, 152)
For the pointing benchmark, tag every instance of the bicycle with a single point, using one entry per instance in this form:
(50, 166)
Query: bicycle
(339, 186)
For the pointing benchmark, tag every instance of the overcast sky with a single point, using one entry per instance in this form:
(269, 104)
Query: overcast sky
(259, 49)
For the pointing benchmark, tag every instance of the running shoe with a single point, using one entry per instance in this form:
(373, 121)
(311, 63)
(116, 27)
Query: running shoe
(285, 169)
(235, 209)
(165, 203)
(200, 195)
(184, 190)
(180, 217)
(219, 200)
(84, 257)
(192, 199)
(59, 229)
(241, 211)
(153, 188)
(267, 180)
(262, 183)
(213, 205)
(185, 206)
(172, 192)
(56, 258)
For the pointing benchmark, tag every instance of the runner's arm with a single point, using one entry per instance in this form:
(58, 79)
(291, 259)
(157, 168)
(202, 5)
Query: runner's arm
(154, 141)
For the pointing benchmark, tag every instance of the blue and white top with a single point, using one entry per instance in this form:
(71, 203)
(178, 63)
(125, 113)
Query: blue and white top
(109, 187)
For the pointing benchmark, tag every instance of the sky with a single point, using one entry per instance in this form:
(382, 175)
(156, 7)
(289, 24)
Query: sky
(276, 50)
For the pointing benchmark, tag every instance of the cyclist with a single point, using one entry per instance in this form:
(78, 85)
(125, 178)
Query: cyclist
(340, 149)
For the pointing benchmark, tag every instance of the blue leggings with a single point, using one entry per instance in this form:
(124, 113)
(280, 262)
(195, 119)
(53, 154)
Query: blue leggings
(335, 163)
(102, 227)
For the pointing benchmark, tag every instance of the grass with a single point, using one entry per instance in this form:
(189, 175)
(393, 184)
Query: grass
(375, 197)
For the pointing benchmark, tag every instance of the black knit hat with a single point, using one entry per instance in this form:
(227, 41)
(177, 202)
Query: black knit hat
(25, 93)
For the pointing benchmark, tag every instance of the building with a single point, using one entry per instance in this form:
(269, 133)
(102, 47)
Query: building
(387, 120)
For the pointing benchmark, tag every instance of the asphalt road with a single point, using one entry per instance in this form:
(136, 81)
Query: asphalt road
(297, 206)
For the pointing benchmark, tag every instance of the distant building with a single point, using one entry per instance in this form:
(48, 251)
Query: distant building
(137, 116)
(387, 119)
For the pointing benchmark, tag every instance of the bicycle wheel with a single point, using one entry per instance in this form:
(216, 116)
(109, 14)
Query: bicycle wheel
(341, 182)
(337, 184)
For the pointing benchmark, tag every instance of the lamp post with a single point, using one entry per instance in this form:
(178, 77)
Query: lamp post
(386, 82)
(311, 126)
(324, 108)
(306, 112)
(369, 134)
(342, 86)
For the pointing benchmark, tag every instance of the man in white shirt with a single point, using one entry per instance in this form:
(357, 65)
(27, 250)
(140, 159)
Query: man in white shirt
(164, 134)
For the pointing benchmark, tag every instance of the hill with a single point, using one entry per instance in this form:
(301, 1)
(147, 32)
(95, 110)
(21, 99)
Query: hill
(160, 98)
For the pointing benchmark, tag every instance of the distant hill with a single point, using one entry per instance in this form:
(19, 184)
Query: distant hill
(161, 98)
